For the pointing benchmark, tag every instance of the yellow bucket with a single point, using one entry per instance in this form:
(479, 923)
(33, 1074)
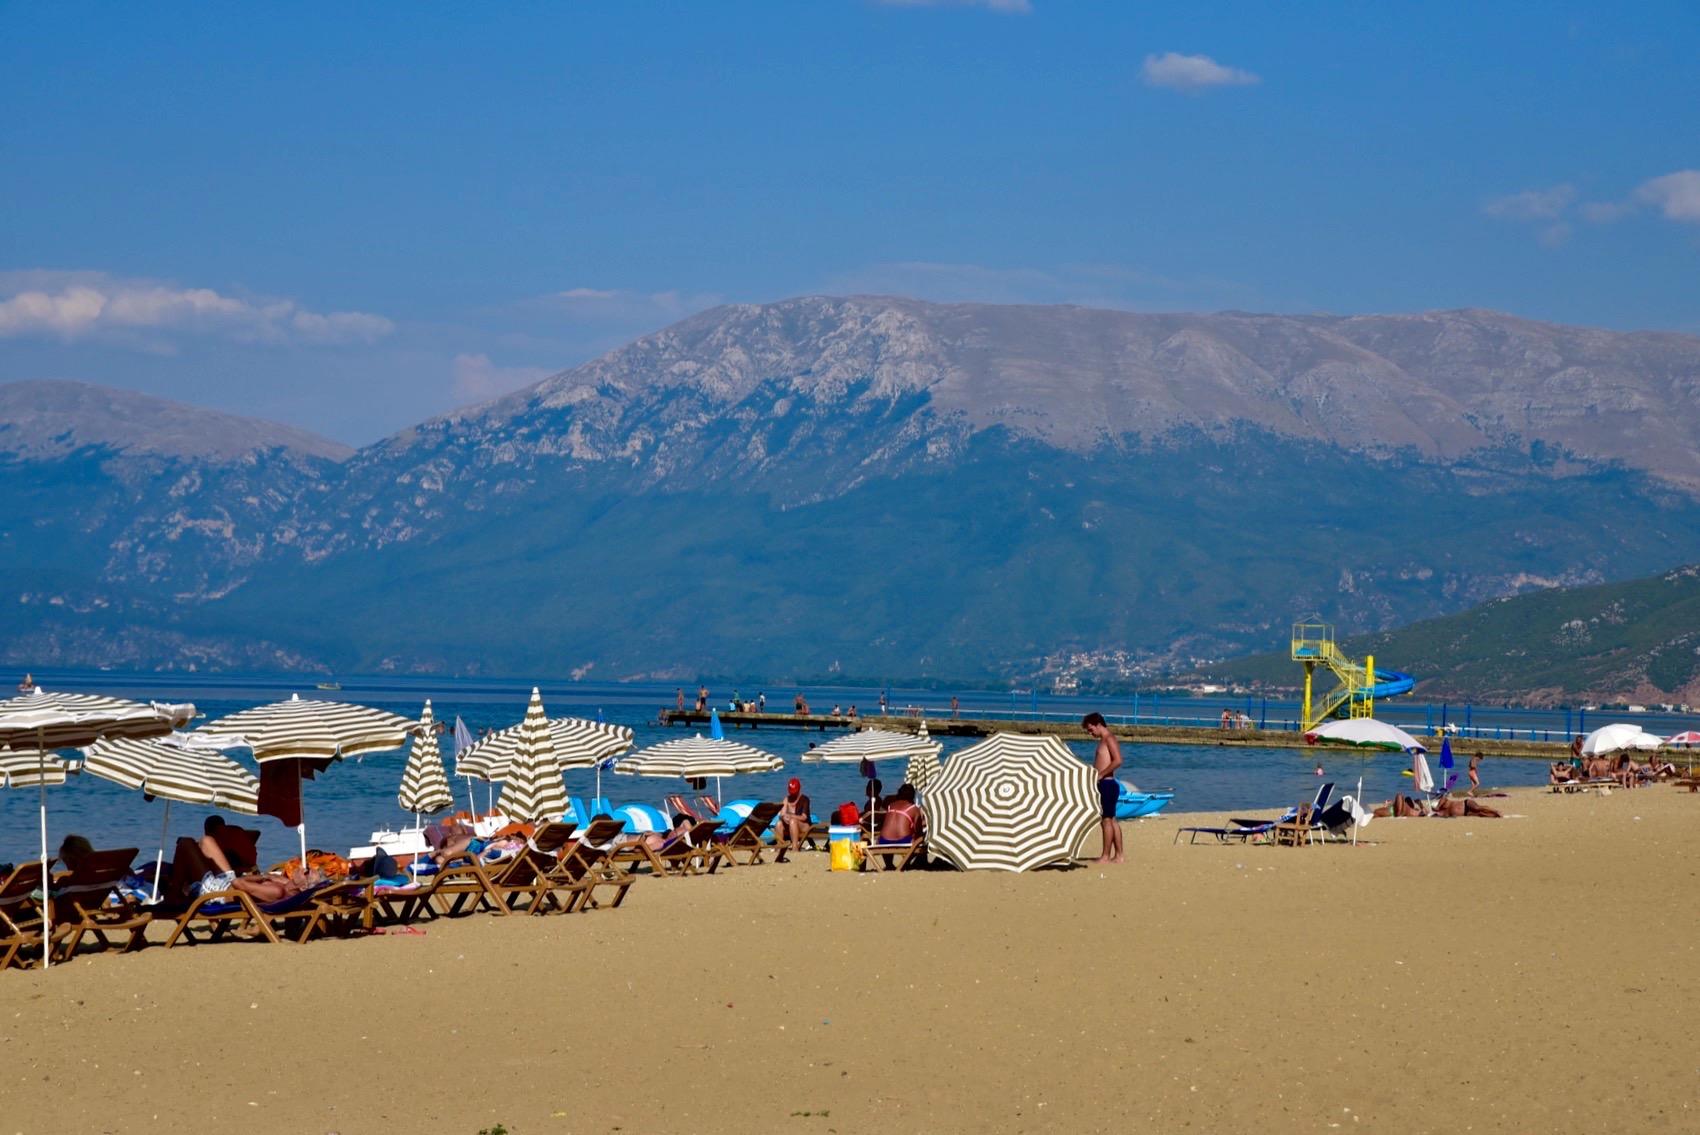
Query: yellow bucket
(845, 845)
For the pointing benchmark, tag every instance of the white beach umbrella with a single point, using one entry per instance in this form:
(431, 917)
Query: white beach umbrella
(1011, 803)
(874, 745)
(1608, 740)
(183, 773)
(309, 734)
(46, 721)
(698, 756)
(1368, 733)
(532, 790)
(424, 786)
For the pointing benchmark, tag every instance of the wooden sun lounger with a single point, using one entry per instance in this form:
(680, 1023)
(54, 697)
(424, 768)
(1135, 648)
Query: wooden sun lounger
(747, 837)
(462, 886)
(593, 849)
(81, 907)
(527, 884)
(220, 911)
(1567, 786)
(20, 916)
(586, 866)
(696, 854)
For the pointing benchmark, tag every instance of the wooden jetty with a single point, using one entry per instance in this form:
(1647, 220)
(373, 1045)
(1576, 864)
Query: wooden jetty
(1070, 730)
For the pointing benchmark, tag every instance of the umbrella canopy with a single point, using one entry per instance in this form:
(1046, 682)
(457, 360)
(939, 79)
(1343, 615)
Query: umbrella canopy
(1368, 733)
(54, 721)
(697, 756)
(1610, 739)
(576, 743)
(922, 770)
(171, 772)
(424, 786)
(30, 768)
(1011, 803)
(304, 728)
(875, 745)
(1685, 738)
(533, 790)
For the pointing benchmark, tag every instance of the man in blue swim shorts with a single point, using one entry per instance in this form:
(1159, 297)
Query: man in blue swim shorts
(1105, 762)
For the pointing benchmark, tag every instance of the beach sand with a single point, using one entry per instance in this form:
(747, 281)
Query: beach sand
(1536, 973)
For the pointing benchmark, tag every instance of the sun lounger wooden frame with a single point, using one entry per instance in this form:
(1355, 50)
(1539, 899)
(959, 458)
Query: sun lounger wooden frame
(747, 837)
(877, 855)
(696, 854)
(81, 908)
(20, 916)
(587, 865)
(461, 886)
(528, 884)
(1300, 829)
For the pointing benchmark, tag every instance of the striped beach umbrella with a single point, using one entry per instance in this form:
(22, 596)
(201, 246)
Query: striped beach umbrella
(532, 790)
(699, 756)
(44, 721)
(187, 774)
(875, 745)
(1011, 803)
(30, 768)
(696, 757)
(424, 785)
(576, 742)
(308, 734)
(303, 728)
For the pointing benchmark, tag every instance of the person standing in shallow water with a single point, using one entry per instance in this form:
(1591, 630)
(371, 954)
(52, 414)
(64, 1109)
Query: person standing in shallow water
(1105, 762)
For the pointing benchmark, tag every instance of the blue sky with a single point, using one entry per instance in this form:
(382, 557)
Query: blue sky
(350, 217)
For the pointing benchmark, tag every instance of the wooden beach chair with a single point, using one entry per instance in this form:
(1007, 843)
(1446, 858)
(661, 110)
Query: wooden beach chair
(592, 850)
(1297, 830)
(86, 901)
(585, 867)
(697, 853)
(880, 855)
(636, 852)
(20, 916)
(746, 838)
(461, 886)
(527, 884)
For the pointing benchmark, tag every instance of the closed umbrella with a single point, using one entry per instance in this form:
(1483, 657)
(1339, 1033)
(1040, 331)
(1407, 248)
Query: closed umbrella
(463, 742)
(698, 756)
(424, 786)
(185, 773)
(532, 791)
(46, 721)
(1011, 803)
(295, 739)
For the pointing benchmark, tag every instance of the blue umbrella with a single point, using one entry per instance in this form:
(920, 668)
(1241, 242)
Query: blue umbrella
(1446, 778)
(714, 731)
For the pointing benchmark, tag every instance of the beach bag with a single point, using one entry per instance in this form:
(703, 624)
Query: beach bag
(847, 816)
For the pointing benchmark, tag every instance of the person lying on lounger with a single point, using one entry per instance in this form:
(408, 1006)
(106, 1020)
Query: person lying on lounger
(451, 838)
(1562, 772)
(1400, 806)
(682, 824)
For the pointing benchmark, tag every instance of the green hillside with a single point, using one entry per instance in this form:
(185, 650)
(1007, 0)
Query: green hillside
(1636, 641)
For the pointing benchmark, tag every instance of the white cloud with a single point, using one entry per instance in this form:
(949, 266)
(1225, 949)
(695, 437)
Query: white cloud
(81, 305)
(1191, 74)
(993, 5)
(1676, 195)
(1532, 204)
(478, 379)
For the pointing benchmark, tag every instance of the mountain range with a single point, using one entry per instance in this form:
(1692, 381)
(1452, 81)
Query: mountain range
(868, 487)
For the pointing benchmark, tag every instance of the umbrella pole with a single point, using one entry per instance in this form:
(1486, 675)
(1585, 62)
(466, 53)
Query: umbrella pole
(159, 860)
(301, 828)
(46, 883)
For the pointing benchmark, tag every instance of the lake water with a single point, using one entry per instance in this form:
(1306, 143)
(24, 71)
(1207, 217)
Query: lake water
(346, 803)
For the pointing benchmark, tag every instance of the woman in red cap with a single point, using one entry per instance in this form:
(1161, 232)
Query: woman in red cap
(794, 822)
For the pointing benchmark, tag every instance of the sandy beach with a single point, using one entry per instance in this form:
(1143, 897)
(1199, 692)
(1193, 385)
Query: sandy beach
(1535, 973)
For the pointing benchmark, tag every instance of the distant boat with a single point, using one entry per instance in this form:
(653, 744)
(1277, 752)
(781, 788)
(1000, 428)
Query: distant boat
(333, 684)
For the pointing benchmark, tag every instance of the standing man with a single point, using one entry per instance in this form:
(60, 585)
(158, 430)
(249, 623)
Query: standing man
(1105, 762)
(761, 702)
(702, 698)
(679, 697)
(955, 708)
(882, 703)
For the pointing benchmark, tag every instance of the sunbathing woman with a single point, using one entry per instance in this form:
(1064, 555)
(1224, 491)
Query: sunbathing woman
(1446, 806)
(658, 841)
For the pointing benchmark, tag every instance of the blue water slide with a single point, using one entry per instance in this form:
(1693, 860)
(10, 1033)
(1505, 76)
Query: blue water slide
(1392, 683)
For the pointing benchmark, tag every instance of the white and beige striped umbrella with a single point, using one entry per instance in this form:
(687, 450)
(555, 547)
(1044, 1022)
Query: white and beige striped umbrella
(170, 772)
(306, 728)
(424, 786)
(577, 743)
(532, 790)
(30, 768)
(697, 756)
(1011, 803)
(875, 745)
(55, 721)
